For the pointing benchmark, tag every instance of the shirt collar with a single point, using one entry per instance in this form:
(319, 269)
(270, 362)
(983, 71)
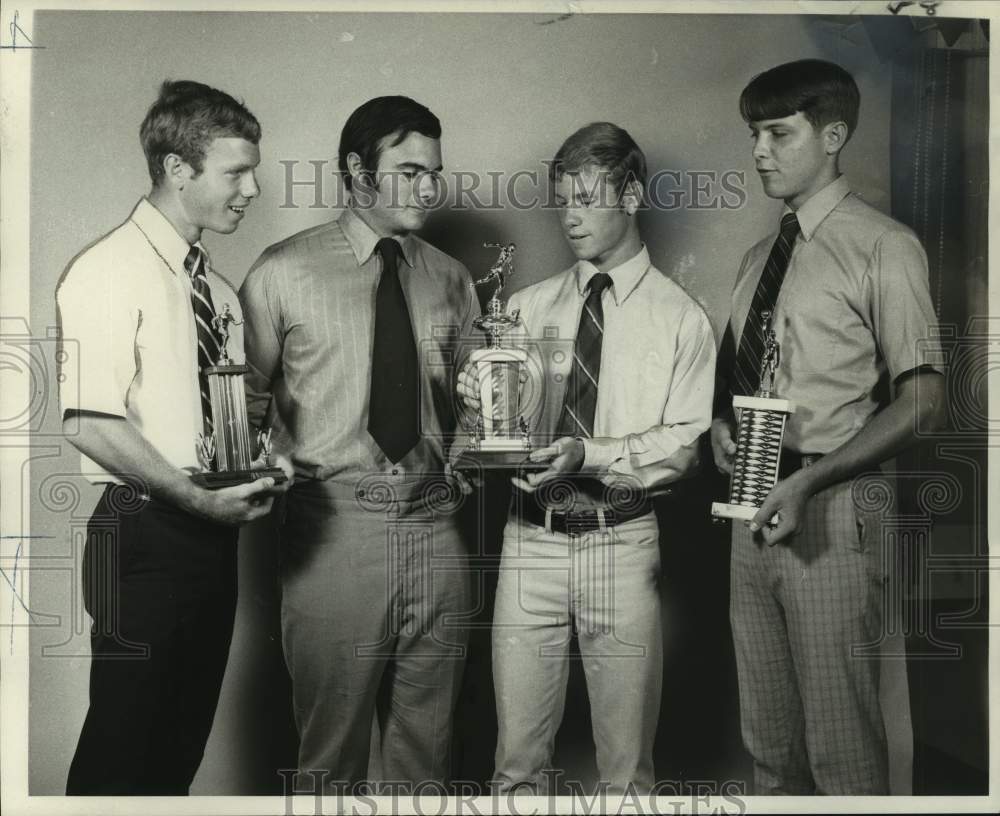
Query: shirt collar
(820, 205)
(164, 238)
(363, 238)
(624, 278)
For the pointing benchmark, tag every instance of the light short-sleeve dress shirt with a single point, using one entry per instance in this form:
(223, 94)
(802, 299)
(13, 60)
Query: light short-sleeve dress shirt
(128, 336)
(853, 313)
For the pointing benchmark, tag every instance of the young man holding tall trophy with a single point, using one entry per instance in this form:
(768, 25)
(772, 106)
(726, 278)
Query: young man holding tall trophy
(617, 392)
(842, 292)
(138, 314)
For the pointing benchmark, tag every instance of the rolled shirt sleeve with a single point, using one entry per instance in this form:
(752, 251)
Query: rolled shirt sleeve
(901, 311)
(668, 450)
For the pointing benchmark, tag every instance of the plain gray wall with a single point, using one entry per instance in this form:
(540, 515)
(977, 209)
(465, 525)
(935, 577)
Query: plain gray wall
(507, 88)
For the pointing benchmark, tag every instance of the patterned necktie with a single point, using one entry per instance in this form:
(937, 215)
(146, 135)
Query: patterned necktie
(577, 418)
(209, 346)
(746, 372)
(393, 409)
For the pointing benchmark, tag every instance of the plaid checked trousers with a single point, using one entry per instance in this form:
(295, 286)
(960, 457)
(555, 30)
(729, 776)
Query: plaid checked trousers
(809, 705)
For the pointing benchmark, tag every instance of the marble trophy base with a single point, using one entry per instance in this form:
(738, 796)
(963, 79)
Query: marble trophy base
(723, 510)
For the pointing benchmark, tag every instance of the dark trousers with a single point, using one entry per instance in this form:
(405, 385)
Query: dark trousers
(160, 586)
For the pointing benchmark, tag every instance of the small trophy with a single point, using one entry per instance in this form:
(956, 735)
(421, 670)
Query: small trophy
(500, 439)
(759, 433)
(225, 454)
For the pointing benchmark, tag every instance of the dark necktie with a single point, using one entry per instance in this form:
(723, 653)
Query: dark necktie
(393, 409)
(746, 372)
(204, 312)
(577, 418)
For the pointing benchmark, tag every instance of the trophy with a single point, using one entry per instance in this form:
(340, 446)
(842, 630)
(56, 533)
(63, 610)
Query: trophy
(225, 454)
(500, 438)
(760, 429)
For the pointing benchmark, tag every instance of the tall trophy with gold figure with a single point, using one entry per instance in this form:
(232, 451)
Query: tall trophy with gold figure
(500, 438)
(226, 455)
(760, 429)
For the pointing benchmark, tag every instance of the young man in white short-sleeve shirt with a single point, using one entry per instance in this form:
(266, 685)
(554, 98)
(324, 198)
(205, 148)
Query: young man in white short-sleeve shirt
(161, 586)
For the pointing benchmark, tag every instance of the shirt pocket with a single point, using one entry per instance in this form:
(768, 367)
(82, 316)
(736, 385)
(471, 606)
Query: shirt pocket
(821, 331)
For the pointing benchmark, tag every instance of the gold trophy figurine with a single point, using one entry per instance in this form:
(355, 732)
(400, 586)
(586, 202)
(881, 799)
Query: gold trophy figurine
(761, 427)
(225, 454)
(500, 438)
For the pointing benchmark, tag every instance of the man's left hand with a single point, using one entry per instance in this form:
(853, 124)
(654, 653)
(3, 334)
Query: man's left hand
(279, 461)
(783, 511)
(565, 455)
(465, 483)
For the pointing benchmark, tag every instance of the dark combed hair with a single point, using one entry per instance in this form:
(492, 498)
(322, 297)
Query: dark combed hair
(604, 146)
(396, 116)
(823, 91)
(185, 119)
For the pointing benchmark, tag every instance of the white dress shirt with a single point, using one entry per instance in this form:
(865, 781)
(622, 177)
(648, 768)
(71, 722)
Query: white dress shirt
(654, 396)
(128, 335)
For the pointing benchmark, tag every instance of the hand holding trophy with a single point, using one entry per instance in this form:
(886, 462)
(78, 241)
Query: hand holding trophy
(760, 430)
(225, 453)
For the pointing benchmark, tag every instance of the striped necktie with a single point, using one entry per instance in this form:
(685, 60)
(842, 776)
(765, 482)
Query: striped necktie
(746, 372)
(577, 418)
(209, 346)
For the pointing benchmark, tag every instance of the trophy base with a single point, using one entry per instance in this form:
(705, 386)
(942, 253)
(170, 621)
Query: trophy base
(211, 480)
(480, 459)
(721, 510)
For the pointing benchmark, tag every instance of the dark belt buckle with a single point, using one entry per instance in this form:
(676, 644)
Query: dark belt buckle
(589, 520)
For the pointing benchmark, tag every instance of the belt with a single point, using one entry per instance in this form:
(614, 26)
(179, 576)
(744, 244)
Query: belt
(791, 461)
(526, 508)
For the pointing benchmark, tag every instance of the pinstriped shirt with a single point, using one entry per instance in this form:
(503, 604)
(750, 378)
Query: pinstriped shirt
(129, 338)
(309, 303)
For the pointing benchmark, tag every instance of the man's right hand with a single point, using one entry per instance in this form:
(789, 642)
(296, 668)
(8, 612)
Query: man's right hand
(236, 505)
(723, 446)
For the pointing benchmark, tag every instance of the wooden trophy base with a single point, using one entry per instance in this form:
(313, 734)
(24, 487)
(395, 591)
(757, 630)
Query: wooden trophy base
(228, 478)
(497, 459)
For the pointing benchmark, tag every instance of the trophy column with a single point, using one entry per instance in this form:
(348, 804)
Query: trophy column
(760, 430)
(499, 372)
(226, 454)
(229, 408)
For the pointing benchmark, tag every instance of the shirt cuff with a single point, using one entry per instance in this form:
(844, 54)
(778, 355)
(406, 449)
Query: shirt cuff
(97, 397)
(600, 454)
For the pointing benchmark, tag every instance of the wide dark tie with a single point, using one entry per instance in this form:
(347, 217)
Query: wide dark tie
(577, 418)
(746, 371)
(209, 345)
(393, 408)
